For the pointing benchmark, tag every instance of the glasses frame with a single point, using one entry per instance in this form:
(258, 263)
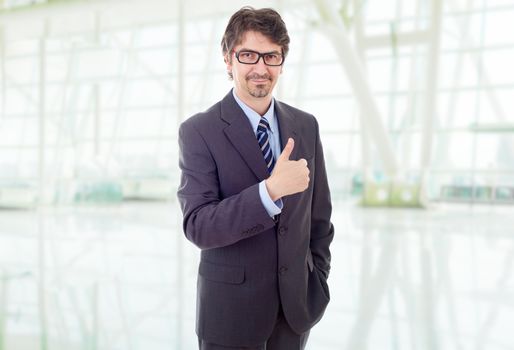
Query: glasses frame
(259, 55)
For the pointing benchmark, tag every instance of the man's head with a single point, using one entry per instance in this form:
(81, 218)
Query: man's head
(265, 21)
(255, 35)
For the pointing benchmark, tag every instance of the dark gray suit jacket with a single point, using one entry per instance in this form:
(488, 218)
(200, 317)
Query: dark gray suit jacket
(251, 262)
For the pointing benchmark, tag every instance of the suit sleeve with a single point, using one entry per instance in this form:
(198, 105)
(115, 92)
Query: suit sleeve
(322, 230)
(208, 220)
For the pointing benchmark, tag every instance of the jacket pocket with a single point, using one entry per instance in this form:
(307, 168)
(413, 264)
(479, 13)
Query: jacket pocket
(221, 273)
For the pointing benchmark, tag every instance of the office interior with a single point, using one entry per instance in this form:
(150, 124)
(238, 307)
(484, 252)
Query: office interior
(414, 99)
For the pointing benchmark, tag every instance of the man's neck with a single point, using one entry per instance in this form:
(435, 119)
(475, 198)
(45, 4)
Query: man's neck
(259, 105)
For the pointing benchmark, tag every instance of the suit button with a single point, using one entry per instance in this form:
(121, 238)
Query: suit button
(282, 230)
(282, 270)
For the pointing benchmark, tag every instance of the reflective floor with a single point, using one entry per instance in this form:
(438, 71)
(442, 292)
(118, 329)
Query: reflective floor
(123, 277)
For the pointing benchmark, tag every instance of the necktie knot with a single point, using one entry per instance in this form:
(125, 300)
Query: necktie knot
(263, 125)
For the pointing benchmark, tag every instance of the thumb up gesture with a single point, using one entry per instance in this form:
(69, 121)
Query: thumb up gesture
(288, 176)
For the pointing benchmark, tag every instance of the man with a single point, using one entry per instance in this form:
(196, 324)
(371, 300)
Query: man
(264, 238)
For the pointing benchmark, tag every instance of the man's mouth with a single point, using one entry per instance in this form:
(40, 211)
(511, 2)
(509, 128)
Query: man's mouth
(258, 79)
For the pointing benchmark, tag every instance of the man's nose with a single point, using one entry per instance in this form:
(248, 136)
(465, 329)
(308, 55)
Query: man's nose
(260, 66)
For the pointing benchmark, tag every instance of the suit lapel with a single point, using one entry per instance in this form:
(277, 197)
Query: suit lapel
(287, 127)
(240, 133)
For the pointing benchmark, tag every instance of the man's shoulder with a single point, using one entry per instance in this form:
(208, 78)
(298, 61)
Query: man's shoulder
(204, 119)
(295, 112)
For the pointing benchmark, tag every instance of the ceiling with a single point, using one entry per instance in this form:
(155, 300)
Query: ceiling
(58, 17)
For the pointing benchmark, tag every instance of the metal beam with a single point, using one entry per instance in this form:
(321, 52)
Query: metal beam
(42, 115)
(2, 73)
(181, 61)
(431, 88)
(398, 39)
(365, 142)
(336, 32)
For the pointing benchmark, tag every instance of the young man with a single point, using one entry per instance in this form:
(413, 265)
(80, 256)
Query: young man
(255, 200)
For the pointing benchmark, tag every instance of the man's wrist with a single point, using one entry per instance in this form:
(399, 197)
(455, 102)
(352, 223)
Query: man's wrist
(272, 207)
(274, 196)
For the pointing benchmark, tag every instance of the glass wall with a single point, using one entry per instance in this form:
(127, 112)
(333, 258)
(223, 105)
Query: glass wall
(91, 112)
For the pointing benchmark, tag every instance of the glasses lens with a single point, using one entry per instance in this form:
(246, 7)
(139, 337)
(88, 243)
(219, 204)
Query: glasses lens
(273, 59)
(248, 57)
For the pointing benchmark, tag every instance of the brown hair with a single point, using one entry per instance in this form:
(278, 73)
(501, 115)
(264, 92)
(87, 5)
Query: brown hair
(266, 21)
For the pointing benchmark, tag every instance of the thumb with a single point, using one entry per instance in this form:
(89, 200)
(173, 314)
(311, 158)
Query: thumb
(286, 153)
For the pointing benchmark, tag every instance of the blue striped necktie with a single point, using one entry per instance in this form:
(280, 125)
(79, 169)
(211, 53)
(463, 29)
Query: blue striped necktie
(263, 138)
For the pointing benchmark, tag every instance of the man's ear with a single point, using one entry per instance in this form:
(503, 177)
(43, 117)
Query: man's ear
(228, 62)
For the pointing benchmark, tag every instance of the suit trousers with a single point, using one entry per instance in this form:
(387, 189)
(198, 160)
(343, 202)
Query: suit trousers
(282, 338)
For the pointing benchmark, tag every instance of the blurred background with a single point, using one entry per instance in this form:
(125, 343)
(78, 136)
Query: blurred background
(415, 101)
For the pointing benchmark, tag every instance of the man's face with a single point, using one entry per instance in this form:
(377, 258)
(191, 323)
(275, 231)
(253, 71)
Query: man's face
(254, 80)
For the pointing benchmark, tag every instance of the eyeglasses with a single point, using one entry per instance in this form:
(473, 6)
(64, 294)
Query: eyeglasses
(252, 57)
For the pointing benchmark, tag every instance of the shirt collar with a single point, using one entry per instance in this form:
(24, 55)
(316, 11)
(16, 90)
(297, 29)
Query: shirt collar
(254, 117)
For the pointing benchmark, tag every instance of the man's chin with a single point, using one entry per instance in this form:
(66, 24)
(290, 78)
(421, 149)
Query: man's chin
(259, 92)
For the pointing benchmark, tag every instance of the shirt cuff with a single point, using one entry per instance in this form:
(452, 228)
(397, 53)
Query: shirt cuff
(273, 208)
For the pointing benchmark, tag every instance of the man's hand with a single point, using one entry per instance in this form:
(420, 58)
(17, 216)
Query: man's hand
(288, 176)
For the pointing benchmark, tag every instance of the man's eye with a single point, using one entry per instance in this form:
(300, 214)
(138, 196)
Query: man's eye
(272, 57)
